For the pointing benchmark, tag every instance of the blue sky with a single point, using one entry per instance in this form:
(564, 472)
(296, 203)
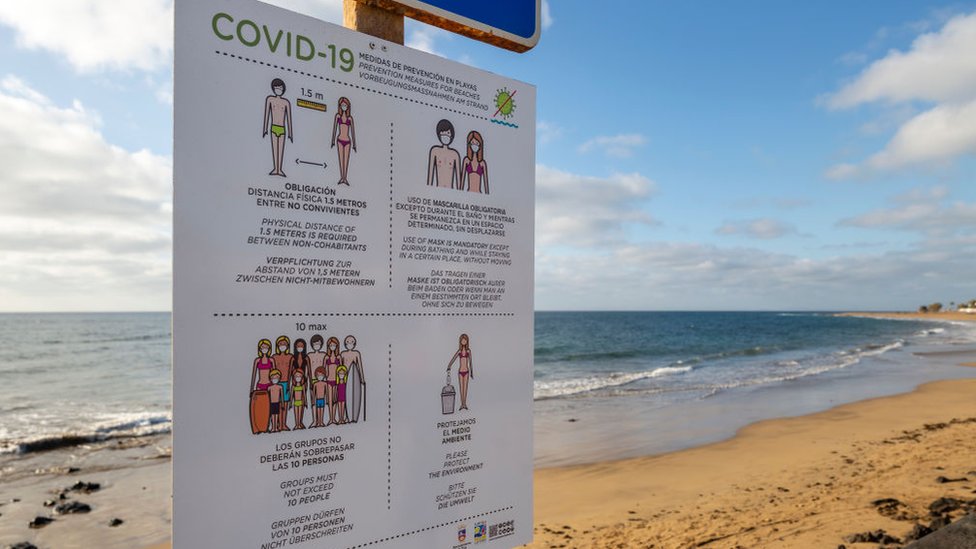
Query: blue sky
(691, 155)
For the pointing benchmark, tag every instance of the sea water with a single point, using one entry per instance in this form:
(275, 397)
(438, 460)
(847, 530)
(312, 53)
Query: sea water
(611, 385)
(68, 379)
(607, 384)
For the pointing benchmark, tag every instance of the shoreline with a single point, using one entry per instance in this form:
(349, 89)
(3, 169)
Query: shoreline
(941, 316)
(796, 481)
(799, 482)
(787, 482)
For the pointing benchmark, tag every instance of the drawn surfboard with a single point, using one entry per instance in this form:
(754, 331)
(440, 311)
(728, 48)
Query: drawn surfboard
(354, 390)
(260, 411)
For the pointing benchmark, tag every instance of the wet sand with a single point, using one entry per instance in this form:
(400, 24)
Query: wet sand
(128, 479)
(798, 482)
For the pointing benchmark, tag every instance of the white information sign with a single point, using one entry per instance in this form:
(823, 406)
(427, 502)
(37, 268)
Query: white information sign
(353, 289)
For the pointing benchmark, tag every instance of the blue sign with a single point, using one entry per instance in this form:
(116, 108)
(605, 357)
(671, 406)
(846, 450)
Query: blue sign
(512, 24)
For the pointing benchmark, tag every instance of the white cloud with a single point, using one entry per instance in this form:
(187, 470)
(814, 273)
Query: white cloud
(765, 228)
(83, 221)
(926, 211)
(618, 146)
(548, 132)
(939, 134)
(327, 10)
(938, 69)
(94, 34)
(687, 276)
(422, 38)
(582, 211)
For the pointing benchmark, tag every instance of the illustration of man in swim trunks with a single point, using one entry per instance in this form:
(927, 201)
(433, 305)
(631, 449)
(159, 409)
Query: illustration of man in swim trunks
(443, 162)
(277, 112)
(320, 391)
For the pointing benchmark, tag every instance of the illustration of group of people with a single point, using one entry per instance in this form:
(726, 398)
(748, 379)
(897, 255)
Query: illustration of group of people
(296, 378)
(446, 168)
(278, 120)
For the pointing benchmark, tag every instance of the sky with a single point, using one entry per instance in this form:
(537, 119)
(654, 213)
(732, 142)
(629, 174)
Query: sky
(691, 155)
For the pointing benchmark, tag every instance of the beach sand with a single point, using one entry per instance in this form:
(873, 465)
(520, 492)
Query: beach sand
(134, 485)
(940, 316)
(796, 482)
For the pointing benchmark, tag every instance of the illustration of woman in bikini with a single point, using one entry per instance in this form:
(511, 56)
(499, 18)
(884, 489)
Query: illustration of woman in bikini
(261, 373)
(344, 131)
(332, 362)
(277, 111)
(299, 397)
(259, 389)
(474, 168)
(282, 361)
(465, 367)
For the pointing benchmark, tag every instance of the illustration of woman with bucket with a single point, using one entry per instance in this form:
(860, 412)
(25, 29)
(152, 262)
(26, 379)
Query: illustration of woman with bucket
(465, 368)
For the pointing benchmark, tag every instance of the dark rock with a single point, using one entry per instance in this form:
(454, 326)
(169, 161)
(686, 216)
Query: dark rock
(115, 522)
(877, 536)
(958, 535)
(72, 507)
(85, 487)
(572, 420)
(50, 503)
(22, 545)
(39, 522)
(918, 532)
(891, 508)
(73, 470)
(944, 480)
(940, 522)
(944, 505)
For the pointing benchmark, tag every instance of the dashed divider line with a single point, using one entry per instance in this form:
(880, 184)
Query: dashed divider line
(389, 427)
(405, 534)
(358, 87)
(391, 205)
(292, 315)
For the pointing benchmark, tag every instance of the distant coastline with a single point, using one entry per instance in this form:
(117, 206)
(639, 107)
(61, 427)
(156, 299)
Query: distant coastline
(902, 315)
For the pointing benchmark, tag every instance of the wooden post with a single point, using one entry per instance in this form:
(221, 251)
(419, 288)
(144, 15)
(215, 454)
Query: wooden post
(372, 20)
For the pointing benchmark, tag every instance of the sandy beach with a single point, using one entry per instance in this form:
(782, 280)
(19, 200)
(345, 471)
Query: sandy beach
(797, 482)
(940, 316)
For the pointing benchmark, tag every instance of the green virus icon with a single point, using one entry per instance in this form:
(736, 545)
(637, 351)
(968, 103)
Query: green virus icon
(505, 102)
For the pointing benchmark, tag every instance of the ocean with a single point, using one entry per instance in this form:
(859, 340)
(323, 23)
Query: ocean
(607, 384)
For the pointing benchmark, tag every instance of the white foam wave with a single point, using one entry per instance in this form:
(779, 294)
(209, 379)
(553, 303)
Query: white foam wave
(573, 386)
(847, 359)
(97, 427)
